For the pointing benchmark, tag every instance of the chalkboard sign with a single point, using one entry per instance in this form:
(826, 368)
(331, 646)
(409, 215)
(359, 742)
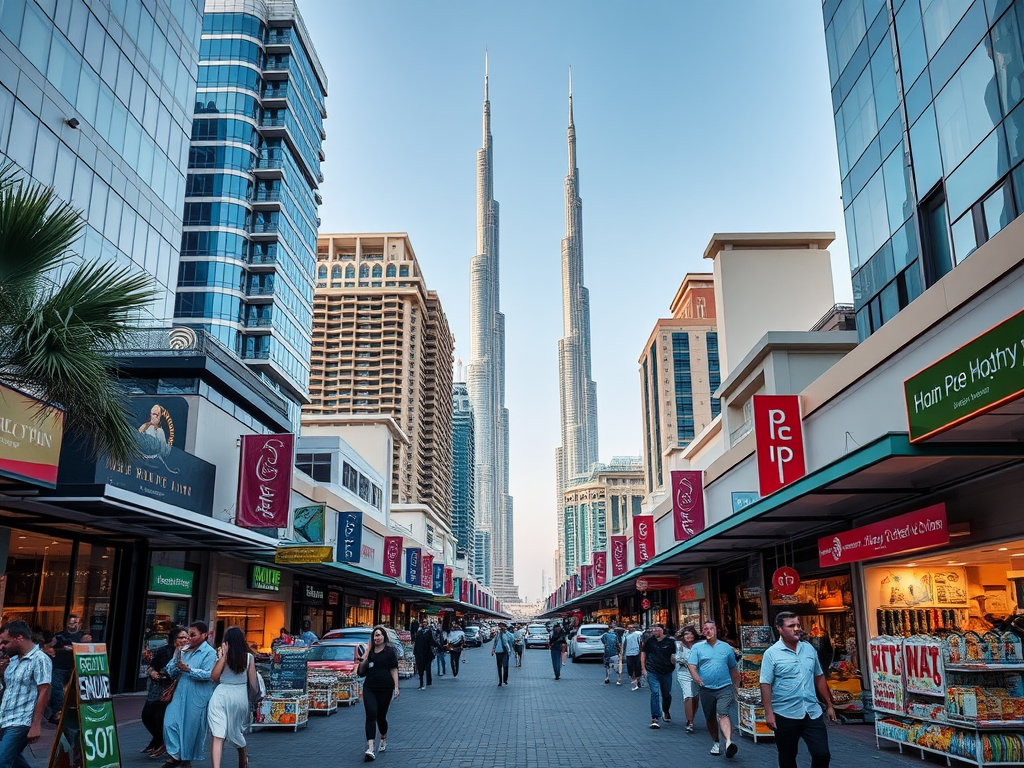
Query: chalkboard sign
(87, 734)
(288, 669)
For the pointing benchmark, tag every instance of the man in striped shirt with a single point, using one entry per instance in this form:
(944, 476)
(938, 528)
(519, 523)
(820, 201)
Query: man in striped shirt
(26, 693)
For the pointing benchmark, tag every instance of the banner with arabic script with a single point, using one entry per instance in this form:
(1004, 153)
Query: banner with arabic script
(350, 536)
(265, 481)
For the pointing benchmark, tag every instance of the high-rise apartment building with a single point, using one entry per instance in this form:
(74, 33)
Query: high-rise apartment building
(486, 374)
(463, 477)
(679, 373)
(598, 505)
(577, 390)
(250, 211)
(95, 100)
(926, 99)
(382, 345)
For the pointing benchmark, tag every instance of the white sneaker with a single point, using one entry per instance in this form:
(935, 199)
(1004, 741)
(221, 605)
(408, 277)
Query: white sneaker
(716, 750)
(635, 687)
(383, 747)
(368, 756)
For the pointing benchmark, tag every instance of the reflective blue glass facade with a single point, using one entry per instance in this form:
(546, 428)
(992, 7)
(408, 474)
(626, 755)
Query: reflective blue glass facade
(125, 70)
(927, 100)
(463, 475)
(251, 199)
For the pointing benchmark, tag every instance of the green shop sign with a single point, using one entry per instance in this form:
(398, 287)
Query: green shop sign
(172, 582)
(263, 578)
(981, 375)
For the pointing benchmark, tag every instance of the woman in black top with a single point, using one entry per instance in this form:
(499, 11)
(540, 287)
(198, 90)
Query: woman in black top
(158, 682)
(379, 664)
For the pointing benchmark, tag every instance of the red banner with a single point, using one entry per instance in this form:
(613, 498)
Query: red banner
(449, 582)
(619, 562)
(780, 441)
(393, 557)
(427, 572)
(643, 539)
(587, 574)
(464, 591)
(600, 568)
(687, 503)
(915, 530)
(265, 481)
(648, 583)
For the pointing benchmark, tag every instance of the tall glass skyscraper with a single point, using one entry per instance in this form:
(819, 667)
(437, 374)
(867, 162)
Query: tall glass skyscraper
(927, 99)
(95, 99)
(463, 475)
(250, 210)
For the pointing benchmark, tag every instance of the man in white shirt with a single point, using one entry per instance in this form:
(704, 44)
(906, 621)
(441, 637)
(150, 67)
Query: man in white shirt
(27, 692)
(631, 642)
(456, 645)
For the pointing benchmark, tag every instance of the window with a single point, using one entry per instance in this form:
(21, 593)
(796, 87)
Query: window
(316, 465)
(701, 306)
(350, 477)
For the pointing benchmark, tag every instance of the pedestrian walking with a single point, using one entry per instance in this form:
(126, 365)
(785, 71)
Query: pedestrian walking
(456, 645)
(612, 653)
(520, 644)
(685, 638)
(713, 668)
(61, 650)
(631, 647)
(423, 652)
(26, 693)
(308, 636)
(501, 650)
(379, 664)
(441, 640)
(558, 647)
(185, 722)
(228, 711)
(159, 691)
(791, 682)
(656, 662)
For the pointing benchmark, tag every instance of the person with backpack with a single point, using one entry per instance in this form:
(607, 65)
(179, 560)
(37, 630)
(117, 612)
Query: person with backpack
(558, 648)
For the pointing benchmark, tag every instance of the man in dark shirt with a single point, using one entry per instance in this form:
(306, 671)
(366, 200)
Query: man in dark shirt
(656, 660)
(63, 663)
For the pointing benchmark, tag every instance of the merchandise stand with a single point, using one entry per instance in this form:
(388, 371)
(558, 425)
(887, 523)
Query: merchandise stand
(323, 699)
(754, 641)
(286, 704)
(346, 690)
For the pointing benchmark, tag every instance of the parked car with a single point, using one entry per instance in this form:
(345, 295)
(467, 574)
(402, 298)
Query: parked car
(333, 656)
(486, 633)
(361, 635)
(586, 641)
(537, 636)
(473, 637)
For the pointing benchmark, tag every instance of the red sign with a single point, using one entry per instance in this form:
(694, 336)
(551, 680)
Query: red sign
(645, 603)
(688, 593)
(780, 441)
(786, 580)
(385, 606)
(646, 583)
(600, 568)
(464, 591)
(265, 481)
(687, 503)
(619, 562)
(427, 572)
(643, 539)
(915, 530)
(393, 556)
(449, 582)
(587, 577)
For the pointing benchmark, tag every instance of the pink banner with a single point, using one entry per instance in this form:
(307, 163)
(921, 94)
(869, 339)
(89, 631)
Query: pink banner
(265, 481)
(600, 568)
(449, 581)
(393, 557)
(687, 503)
(427, 572)
(587, 577)
(914, 530)
(620, 564)
(643, 539)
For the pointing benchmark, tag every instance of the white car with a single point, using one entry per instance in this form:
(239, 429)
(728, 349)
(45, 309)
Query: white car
(586, 641)
(537, 636)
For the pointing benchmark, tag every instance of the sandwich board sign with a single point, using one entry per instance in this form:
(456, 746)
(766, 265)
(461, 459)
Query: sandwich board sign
(87, 734)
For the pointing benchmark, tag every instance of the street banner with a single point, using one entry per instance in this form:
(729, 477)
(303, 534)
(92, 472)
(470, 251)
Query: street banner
(265, 481)
(412, 567)
(393, 556)
(350, 536)
(643, 538)
(600, 568)
(779, 434)
(687, 503)
(449, 582)
(87, 734)
(618, 553)
(914, 530)
(586, 576)
(427, 572)
(438, 583)
(302, 555)
(308, 524)
(463, 590)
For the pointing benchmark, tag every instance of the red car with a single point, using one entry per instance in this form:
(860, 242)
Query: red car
(336, 657)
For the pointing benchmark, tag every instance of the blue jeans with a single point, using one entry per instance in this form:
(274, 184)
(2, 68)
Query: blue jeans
(59, 679)
(661, 693)
(556, 660)
(442, 661)
(502, 658)
(12, 743)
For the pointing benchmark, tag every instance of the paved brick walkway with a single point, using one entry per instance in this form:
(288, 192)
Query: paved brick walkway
(535, 722)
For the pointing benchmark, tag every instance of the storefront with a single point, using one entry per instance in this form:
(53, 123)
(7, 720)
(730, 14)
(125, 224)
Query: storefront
(309, 601)
(691, 599)
(740, 596)
(360, 608)
(253, 597)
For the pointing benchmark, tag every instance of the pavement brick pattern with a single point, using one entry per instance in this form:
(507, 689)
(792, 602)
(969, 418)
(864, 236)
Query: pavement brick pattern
(534, 722)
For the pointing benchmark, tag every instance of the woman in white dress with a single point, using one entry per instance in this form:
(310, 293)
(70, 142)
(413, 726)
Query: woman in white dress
(229, 706)
(685, 639)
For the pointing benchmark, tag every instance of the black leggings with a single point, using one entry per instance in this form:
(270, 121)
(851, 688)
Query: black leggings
(456, 656)
(376, 702)
(153, 719)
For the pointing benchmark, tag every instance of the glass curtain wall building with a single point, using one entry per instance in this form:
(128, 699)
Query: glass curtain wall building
(463, 475)
(927, 100)
(95, 100)
(250, 209)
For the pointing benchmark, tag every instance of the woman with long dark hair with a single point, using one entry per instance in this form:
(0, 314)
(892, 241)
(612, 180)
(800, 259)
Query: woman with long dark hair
(228, 713)
(156, 687)
(685, 640)
(379, 663)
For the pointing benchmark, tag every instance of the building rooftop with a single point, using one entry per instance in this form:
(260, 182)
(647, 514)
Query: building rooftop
(729, 241)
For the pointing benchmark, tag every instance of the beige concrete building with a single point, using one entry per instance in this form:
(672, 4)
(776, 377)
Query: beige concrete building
(679, 372)
(382, 345)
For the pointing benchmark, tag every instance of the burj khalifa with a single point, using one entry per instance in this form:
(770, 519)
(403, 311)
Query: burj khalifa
(486, 378)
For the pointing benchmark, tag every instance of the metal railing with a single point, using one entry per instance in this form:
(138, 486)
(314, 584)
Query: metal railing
(845, 312)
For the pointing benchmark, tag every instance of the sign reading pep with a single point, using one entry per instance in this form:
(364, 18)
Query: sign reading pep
(780, 441)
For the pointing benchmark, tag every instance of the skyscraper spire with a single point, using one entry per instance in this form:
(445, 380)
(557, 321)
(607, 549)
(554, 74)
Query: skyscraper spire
(577, 391)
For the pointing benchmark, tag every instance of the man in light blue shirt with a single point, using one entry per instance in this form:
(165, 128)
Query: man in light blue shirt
(632, 653)
(791, 681)
(713, 668)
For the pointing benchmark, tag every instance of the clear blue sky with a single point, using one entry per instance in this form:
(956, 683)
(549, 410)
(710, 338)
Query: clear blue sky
(691, 118)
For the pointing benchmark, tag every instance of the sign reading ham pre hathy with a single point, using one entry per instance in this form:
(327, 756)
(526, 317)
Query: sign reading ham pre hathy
(92, 741)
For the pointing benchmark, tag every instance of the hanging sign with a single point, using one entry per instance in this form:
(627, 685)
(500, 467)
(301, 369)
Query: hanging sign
(427, 572)
(619, 563)
(412, 567)
(87, 733)
(265, 481)
(915, 530)
(350, 537)
(649, 583)
(887, 673)
(645, 603)
(687, 503)
(786, 581)
(449, 582)
(780, 441)
(643, 538)
(587, 577)
(437, 587)
(393, 556)
(600, 568)
(303, 555)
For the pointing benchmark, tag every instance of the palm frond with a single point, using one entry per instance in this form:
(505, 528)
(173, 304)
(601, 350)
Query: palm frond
(100, 299)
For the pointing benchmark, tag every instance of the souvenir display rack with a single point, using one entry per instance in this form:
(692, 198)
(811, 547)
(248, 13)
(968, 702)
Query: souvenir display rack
(323, 699)
(347, 690)
(754, 641)
(282, 709)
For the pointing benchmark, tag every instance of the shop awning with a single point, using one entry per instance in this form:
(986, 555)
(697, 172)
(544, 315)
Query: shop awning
(885, 475)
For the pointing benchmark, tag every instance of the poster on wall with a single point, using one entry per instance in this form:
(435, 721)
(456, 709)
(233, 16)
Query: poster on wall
(922, 665)
(308, 524)
(931, 587)
(887, 673)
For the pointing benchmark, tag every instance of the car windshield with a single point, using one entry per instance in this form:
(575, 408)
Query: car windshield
(331, 653)
(537, 629)
(592, 631)
(353, 636)
(472, 631)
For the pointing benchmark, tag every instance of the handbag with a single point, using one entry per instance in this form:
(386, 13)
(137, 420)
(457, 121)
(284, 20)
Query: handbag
(168, 693)
(259, 691)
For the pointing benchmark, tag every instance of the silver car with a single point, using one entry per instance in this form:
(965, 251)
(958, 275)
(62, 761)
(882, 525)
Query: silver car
(537, 636)
(586, 641)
